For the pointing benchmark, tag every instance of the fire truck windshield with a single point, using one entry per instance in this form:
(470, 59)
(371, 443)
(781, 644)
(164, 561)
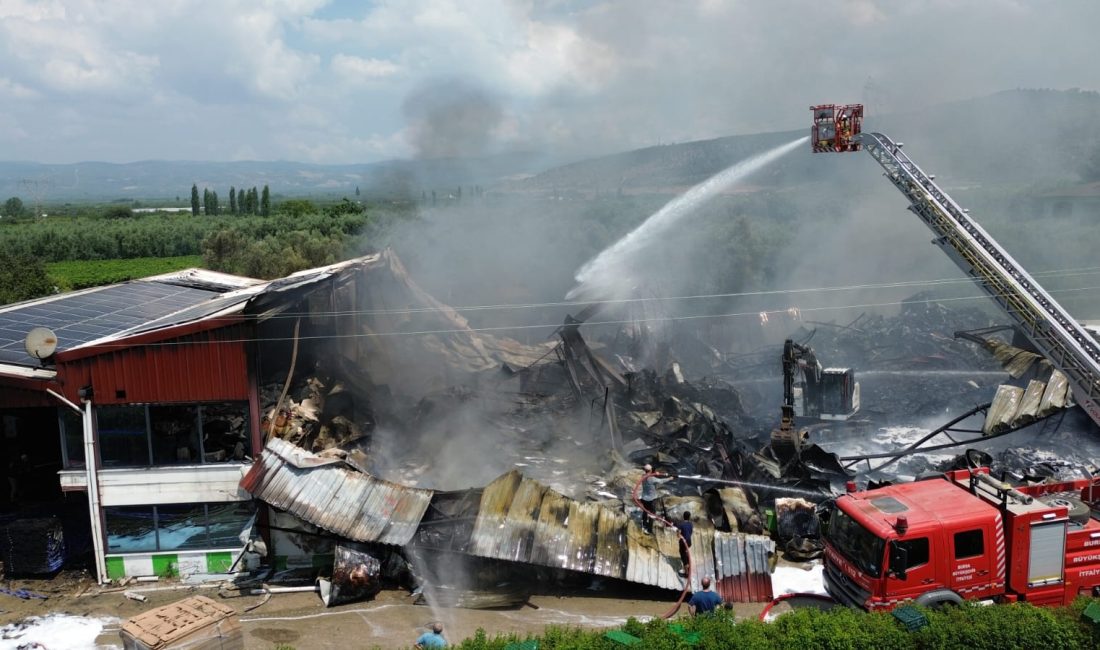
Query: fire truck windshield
(856, 543)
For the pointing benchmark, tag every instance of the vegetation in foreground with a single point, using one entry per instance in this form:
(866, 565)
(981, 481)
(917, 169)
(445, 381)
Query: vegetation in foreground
(1003, 627)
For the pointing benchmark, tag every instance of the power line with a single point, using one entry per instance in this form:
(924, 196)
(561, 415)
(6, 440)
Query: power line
(1061, 273)
(499, 328)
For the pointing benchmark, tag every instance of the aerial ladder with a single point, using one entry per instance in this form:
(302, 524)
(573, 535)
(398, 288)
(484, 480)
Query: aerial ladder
(1050, 328)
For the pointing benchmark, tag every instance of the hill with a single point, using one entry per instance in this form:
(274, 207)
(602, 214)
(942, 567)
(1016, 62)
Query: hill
(160, 179)
(1012, 137)
(1041, 137)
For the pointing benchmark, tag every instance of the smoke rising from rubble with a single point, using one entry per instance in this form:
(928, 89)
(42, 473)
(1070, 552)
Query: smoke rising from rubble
(845, 225)
(469, 443)
(451, 117)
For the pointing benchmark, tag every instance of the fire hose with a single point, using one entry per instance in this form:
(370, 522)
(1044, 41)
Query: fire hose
(780, 598)
(690, 563)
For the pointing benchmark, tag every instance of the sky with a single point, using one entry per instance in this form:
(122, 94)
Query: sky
(337, 81)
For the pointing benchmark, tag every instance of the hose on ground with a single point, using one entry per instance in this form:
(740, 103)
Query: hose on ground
(778, 599)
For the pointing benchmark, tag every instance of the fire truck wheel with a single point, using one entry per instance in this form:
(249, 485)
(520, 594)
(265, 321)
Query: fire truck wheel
(939, 598)
(1078, 509)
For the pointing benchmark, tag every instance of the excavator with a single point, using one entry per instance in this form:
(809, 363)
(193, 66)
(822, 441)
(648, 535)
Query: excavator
(810, 391)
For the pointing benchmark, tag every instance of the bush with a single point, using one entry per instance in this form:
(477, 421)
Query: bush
(971, 626)
(1004, 627)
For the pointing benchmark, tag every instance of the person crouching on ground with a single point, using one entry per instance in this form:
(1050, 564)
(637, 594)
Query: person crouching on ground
(705, 601)
(649, 495)
(432, 639)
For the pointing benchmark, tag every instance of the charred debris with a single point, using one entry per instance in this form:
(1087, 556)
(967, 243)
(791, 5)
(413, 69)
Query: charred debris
(421, 452)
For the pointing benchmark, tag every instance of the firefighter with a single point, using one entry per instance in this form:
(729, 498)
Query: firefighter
(649, 495)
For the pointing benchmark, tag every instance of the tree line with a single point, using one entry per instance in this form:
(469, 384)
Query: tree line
(298, 235)
(246, 201)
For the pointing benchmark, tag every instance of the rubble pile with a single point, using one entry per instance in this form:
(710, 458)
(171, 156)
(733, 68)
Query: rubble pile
(320, 412)
(508, 448)
(920, 336)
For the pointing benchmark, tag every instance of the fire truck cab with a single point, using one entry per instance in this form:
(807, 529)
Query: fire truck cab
(966, 536)
(835, 126)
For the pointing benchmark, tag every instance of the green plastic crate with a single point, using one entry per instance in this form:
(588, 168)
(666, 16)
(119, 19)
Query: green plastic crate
(690, 638)
(910, 617)
(622, 638)
(1092, 613)
(529, 644)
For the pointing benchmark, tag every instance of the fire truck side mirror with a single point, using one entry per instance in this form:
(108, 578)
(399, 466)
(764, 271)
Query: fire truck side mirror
(899, 560)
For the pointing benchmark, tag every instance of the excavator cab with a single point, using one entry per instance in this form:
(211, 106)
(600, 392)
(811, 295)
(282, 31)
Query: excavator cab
(835, 127)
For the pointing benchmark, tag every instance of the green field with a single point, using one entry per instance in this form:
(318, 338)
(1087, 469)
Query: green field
(80, 274)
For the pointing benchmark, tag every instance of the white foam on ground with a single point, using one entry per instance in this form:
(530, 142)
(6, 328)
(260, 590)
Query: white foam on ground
(55, 631)
(796, 580)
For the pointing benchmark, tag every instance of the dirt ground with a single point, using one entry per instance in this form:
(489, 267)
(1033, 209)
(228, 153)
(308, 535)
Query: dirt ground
(390, 620)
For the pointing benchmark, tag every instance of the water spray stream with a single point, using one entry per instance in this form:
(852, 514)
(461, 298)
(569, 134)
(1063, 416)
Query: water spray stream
(750, 484)
(603, 273)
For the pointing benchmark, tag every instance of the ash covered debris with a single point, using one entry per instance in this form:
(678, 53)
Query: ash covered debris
(441, 411)
(909, 365)
(472, 446)
(514, 519)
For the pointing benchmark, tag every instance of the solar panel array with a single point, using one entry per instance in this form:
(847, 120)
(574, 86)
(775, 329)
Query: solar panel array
(83, 317)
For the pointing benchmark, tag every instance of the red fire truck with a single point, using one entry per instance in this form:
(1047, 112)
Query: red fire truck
(965, 536)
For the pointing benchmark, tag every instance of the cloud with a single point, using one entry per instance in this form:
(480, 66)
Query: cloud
(358, 69)
(206, 78)
(13, 90)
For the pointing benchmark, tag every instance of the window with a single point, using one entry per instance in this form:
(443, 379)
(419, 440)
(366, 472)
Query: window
(918, 551)
(175, 434)
(139, 436)
(226, 434)
(181, 527)
(969, 543)
(72, 437)
(177, 527)
(227, 521)
(855, 542)
(123, 436)
(130, 529)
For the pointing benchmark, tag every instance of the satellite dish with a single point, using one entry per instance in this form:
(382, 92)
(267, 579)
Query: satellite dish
(40, 343)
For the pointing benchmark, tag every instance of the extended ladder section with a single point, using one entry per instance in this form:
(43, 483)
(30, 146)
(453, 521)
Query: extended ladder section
(1056, 334)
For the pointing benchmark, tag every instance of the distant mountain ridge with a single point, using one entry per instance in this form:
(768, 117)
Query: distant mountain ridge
(1012, 137)
(162, 179)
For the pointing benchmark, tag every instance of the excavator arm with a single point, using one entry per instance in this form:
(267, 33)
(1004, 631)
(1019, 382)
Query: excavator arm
(800, 359)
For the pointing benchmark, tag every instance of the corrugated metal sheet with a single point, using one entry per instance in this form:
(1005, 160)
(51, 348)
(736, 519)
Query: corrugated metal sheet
(742, 567)
(205, 366)
(518, 519)
(522, 521)
(331, 495)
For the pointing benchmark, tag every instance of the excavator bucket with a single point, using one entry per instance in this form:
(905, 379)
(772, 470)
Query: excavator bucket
(835, 127)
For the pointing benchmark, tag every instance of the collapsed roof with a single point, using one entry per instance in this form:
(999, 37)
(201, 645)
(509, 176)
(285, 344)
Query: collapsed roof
(513, 518)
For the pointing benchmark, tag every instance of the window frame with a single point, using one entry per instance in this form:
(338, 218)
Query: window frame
(158, 519)
(908, 545)
(200, 411)
(968, 543)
